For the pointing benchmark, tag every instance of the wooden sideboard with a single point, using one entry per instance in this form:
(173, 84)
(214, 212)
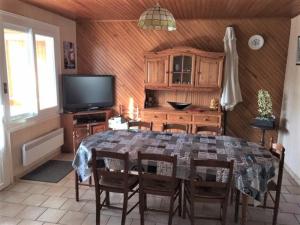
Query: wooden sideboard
(193, 118)
(183, 74)
(78, 126)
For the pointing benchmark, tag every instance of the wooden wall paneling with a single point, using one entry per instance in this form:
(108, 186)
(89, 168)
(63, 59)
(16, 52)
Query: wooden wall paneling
(118, 48)
(187, 9)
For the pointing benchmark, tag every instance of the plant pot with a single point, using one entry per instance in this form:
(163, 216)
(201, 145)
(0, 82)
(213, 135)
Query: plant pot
(264, 122)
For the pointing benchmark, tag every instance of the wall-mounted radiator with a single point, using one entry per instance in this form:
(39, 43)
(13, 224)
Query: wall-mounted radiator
(39, 147)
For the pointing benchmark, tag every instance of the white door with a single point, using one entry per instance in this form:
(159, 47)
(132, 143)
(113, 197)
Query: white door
(5, 159)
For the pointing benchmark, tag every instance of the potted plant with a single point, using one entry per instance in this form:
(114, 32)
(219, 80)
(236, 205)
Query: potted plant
(265, 109)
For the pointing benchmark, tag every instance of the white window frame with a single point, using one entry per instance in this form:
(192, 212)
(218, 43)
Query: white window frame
(12, 21)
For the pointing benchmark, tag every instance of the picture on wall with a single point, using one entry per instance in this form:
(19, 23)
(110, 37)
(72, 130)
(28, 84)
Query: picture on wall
(69, 55)
(298, 51)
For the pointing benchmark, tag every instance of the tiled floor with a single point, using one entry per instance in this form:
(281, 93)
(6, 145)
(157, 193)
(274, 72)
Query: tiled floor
(37, 203)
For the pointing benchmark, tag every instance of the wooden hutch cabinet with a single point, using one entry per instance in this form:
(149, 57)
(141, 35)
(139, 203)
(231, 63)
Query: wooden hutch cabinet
(183, 74)
(156, 71)
(78, 126)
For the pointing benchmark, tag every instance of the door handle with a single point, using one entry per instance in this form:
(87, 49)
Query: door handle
(5, 88)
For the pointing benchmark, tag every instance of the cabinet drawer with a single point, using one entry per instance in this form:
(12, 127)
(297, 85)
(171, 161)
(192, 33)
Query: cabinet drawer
(98, 128)
(180, 117)
(206, 119)
(153, 116)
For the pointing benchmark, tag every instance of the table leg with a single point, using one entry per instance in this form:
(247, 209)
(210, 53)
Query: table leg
(76, 186)
(244, 209)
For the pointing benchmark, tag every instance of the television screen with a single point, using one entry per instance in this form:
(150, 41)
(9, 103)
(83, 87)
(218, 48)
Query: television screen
(82, 92)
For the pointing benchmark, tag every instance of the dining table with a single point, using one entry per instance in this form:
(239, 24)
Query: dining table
(254, 165)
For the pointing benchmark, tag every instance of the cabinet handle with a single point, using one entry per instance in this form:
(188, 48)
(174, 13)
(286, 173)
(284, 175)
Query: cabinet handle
(180, 118)
(155, 116)
(206, 119)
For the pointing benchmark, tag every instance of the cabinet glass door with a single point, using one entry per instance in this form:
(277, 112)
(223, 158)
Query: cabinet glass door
(182, 70)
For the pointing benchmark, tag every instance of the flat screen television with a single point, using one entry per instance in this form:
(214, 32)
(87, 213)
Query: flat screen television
(87, 92)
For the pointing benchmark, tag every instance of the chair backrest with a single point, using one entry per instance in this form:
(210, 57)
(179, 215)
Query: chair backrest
(100, 172)
(140, 125)
(278, 151)
(157, 158)
(176, 127)
(208, 130)
(197, 182)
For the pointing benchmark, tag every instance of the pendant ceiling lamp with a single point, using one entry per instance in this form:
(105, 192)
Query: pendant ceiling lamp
(157, 18)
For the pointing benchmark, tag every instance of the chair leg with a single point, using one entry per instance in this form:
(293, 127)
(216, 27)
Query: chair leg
(76, 187)
(171, 209)
(107, 198)
(98, 207)
(141, 206)
(145, 202)
(124, 212)
(184, 205)
(265, 199)
(224, 213)
(276, 207)
(90, 181)
(192, 212)
(237, 205)
(180, 200)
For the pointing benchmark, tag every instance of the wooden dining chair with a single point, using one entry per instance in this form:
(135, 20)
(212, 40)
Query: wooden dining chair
(278, 151)
(208, 130)
(198, 190)
(118, 181)
(140, 125)
(158, 184)
(175, 127)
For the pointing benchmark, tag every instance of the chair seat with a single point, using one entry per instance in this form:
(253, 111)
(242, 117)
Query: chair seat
(208, 192)
(117, 183)
(161, 186)
(272, 186)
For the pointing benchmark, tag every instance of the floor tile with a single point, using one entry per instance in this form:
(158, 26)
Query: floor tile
(54, 202)
(113, 220)
(292, 198)
(56, 191)
(31, 212)
(293, 189)
(38, 189)
(289, 207)
(10, 209)
(16, 197)
(89, 207)
(287, 218)
(73, 205)
(21, 187)
(30, 222)
(52, 215)
(91, 219)
(4, 220)
(35, 199)
(73, 218)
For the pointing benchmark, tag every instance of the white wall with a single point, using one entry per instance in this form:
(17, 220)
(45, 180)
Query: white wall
(289, 135)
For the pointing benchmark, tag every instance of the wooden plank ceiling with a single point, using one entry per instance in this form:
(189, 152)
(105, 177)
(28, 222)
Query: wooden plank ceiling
(181, 9)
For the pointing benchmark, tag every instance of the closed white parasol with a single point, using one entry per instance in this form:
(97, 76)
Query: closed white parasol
(231, 95)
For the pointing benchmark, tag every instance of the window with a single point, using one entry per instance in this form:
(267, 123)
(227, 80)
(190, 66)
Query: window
(45, 61)
(30, 68)
(20, 74)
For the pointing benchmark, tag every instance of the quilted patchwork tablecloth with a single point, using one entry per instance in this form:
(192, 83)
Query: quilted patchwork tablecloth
(254, 166)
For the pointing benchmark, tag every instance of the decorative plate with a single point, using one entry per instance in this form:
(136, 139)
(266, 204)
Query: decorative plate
(256, 42)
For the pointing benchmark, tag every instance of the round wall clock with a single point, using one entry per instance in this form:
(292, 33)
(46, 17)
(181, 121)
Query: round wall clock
(256, 42)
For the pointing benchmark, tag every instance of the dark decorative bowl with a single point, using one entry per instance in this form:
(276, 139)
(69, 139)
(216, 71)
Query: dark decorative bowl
(179, 105)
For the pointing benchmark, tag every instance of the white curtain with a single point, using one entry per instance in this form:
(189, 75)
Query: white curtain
(231, 94)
